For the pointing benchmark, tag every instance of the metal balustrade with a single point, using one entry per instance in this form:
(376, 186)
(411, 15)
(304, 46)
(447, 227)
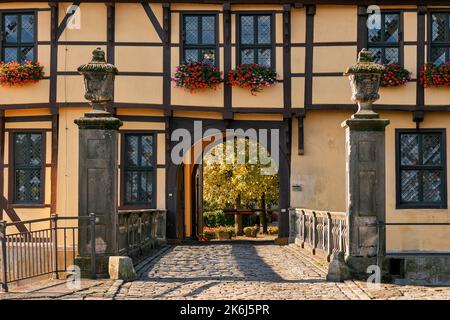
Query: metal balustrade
(323, 232)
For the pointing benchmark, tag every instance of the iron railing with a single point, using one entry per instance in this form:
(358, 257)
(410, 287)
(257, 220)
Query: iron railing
(322, 232)
(48, 247)
(140, 231)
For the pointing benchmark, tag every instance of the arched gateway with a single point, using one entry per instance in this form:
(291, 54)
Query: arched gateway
(176, 175)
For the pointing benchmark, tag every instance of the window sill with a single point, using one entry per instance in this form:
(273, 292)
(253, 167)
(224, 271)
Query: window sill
(421, 207)
(30, 205)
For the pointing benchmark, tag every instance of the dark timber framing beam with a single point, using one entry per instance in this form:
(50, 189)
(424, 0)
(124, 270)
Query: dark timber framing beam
(2, 158)
(154, 20)
(294, 2)
(166, 60)
(309, 54)
(301, 135)
(287, 94)
(53, 56)
(110, 37)
(54, 164)
(421, 38)
(227, 52)
(67, 17)
(362, 28)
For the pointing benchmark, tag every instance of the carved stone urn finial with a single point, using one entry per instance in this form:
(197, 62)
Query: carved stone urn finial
(365, 77)
(98, 80)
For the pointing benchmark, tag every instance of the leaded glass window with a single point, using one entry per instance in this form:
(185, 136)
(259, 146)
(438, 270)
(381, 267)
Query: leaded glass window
(139, 171)
(28, 167)
(256, 41)
(199, 38)
(440, 38)
(421, 163)
(384, 38)
(19, 31)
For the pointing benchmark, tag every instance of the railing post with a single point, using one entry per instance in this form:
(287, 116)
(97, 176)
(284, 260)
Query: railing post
(54, 227)
(341, 236)
(4, 261)
(329, 237)
(314, 232)
(92, 232)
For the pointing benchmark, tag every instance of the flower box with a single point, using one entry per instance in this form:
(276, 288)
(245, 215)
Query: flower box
(252, 76)
(432, 75)
(197, 76)
(394, 75)
(15, 74)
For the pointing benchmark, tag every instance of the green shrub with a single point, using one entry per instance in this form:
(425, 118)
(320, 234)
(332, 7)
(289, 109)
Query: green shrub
(209, 233)
(217, 218)
(272, 230)
(251, 231)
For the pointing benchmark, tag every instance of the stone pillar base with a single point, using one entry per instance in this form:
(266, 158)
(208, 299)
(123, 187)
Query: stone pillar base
(101, 266)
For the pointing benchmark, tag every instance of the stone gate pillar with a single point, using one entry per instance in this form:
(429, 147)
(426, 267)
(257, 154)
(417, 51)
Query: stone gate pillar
(98, 166)
(365, 168)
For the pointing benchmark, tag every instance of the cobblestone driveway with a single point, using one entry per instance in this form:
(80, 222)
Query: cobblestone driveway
(237, 271)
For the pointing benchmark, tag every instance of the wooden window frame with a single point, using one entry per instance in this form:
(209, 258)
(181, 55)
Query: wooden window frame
(271, 46)
(11, 164)
(400, 44)
(136, 206)
(443, 168)
(430, 34)
(2, 27)
(184, 46)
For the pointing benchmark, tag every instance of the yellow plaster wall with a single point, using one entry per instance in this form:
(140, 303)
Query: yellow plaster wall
(321, 170)
(133, 25)
(405, 95)
(140, 59)
(70, 57)
(298, 21)
(91, 15)
(417, 237)
(341, 20)
(331, 90)
(298, 92)
(30, 93)
(271, 97)
(138, 89)
(333, 59)
(70, 89)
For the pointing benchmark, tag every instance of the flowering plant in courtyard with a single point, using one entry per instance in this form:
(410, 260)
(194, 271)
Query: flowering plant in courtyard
(394, 75)
(18, 74)
(252, 76)
(197, 76)
(432, 75)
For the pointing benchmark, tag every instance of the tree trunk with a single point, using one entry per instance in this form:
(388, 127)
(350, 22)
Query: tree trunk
(238, 219)
(263, 214)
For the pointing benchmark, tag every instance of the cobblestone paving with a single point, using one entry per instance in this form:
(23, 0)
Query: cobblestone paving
(237, 271)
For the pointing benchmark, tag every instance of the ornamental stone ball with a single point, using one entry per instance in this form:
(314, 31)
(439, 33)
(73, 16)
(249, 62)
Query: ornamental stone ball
(98, 80)
(365, 77)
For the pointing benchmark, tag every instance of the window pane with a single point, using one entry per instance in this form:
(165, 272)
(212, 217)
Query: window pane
(432, 186)
(247, 30)
(264, 57)
(374, 35)
(264, 30)
(438, 55)
(439, 27)
(26, 53)
(131, 186)
(27, 28)
(10, 54)
(132, 143)
(391, 26)
(409, 149)
(191, 55)
(146, 188)
(247, 56)
(409, 185)
(20, 149)
(11, 26)
(208, 55)
(431, 145)
(27, 185)
(147, 151)
(377, 54)
(35, 149)
(391, 55)
(191, 29)
(208, 30)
